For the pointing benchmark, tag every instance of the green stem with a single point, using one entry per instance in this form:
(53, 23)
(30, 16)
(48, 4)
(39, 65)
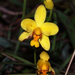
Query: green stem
(34, 56)
(54, 42)
(23, 16)
(54, 37)
(9, 33)
(14, 63)
(24, 8)
(49, 18)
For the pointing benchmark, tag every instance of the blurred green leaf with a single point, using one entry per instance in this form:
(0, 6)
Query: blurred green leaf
(21, 59)
(57, 1)
(66, 62)
(20, 30)
(73, 19)
(16, 2)
(42, 0)
(1, 56)
(53, 43)
(21, 74)
(36, 74)
(5, 43)
(68, 25)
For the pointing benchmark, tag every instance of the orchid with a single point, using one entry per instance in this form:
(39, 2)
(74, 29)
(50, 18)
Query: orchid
(48, 4)
(43, 65)
(38, 29)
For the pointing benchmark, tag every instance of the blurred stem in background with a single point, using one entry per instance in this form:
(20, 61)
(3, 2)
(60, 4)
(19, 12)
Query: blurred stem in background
(23, 16)
(50, 14)
(10, 27)
(34, 56)
(54, 37)
(53, 43)
(49, 19)
(9, 32)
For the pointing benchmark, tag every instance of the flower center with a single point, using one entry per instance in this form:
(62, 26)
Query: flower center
(44, 69)
(37, 34)
(37, 31)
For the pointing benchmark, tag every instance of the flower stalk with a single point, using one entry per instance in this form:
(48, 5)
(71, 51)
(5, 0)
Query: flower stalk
(50, 14)
(35, 57)
(21, 30)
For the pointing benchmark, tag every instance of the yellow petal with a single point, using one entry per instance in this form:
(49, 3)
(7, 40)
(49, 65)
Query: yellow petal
(40, 15)
(50, 68)
(45, 43)
(42, 65)
(52, 72)
(44, 55)
(48, 4)
(28, 24)
(39, 63)
(34, 43)
(49, 28)
(24, 36)
(45, 67)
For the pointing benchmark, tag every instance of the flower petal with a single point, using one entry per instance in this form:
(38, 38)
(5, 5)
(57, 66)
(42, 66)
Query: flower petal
(34, 43)
(45, 42)
(49, 28)
(52, 72)
(44, 55)
(28, 24)
(39, 63)
(40, 15)
(48, 4)
(24, 36)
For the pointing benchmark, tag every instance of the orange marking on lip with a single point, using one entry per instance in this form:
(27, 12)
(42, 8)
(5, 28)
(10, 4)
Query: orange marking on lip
(37, 34)
(44, 72)
(35, 37)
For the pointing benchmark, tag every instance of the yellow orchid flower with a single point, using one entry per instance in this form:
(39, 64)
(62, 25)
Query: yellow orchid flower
(38, 29)
(48, 4)
(44, 66)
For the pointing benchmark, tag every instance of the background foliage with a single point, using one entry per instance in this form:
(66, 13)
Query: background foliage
(17, 57)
